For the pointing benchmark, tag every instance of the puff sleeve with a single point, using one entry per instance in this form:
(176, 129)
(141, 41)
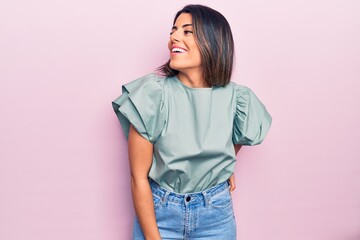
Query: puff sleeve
(141, 104)
(252, 121)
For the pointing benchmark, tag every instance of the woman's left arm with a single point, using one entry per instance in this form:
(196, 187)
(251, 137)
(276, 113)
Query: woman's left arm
(237, 148)
(232, 178)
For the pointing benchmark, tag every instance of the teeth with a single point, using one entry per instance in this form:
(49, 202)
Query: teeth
(178, 50)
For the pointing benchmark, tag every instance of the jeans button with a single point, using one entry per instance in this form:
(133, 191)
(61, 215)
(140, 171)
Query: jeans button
(188, 198)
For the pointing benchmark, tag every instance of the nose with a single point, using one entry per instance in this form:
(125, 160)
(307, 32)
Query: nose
(174, 37)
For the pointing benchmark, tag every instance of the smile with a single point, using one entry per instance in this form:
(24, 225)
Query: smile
(177, 50)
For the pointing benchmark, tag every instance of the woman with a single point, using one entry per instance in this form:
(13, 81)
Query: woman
(184, 129)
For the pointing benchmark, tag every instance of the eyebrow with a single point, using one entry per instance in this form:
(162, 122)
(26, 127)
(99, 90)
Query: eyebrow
(185, 25)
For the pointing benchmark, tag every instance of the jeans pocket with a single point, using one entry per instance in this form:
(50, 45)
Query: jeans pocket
(221, 200)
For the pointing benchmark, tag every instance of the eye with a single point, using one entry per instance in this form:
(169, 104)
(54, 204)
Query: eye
(187, 32)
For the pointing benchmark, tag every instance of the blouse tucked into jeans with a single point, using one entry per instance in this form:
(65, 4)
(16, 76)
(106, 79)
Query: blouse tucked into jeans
(193, 129)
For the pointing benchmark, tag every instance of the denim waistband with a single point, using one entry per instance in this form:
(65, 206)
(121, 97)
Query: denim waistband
(202, 197)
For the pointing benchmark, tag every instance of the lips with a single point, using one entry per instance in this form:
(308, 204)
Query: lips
(177, 49)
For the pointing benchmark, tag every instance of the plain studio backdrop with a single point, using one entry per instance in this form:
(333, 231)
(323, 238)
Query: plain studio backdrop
(64, 170)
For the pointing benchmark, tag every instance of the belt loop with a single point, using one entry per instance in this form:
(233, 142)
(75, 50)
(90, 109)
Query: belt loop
(164, 199)
(206, 198)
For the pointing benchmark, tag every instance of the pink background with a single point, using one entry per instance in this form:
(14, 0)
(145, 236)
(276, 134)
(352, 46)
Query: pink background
(64, 171)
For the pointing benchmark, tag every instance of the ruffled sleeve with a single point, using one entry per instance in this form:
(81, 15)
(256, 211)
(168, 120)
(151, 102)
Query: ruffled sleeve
(141, 104)
(252, 121)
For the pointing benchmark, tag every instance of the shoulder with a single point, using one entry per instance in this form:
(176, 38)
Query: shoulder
(149, 82)
(246, 99)
(147, 90)
(141, 104)
(241, 92)
(239, 87)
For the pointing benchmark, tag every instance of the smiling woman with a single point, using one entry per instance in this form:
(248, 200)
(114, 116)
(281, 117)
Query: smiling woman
(205, 35)
(184, 127)
(185, 55)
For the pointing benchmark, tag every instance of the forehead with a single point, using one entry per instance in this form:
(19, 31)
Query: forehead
(184, 18)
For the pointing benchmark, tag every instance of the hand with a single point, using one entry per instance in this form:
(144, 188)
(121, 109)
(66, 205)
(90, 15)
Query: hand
(232, 183)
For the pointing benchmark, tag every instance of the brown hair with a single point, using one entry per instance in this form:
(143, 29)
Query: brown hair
(215, 41)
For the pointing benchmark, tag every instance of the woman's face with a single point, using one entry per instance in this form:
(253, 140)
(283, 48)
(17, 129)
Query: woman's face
(184, 52)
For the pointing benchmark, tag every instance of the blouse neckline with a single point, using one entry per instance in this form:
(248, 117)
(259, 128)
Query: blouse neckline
(192, 88)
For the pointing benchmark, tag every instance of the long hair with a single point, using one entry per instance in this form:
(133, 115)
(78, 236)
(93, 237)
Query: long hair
(215, 41)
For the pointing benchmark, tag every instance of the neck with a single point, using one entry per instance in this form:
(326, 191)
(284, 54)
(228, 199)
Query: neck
(193, 79)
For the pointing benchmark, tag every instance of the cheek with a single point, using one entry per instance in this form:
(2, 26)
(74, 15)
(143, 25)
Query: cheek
(196, 52)
(169, 44)
(197, 56)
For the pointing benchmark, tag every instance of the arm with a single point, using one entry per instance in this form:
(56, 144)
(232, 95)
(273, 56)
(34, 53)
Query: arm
(140, 158)
(237, 148)
(232, 178)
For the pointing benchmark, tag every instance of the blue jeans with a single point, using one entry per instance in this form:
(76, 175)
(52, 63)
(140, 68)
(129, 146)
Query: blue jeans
(206, 215)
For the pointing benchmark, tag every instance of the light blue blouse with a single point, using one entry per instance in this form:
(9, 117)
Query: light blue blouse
(192, 129)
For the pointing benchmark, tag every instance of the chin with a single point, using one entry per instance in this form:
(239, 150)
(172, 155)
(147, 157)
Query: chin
(175, 66)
